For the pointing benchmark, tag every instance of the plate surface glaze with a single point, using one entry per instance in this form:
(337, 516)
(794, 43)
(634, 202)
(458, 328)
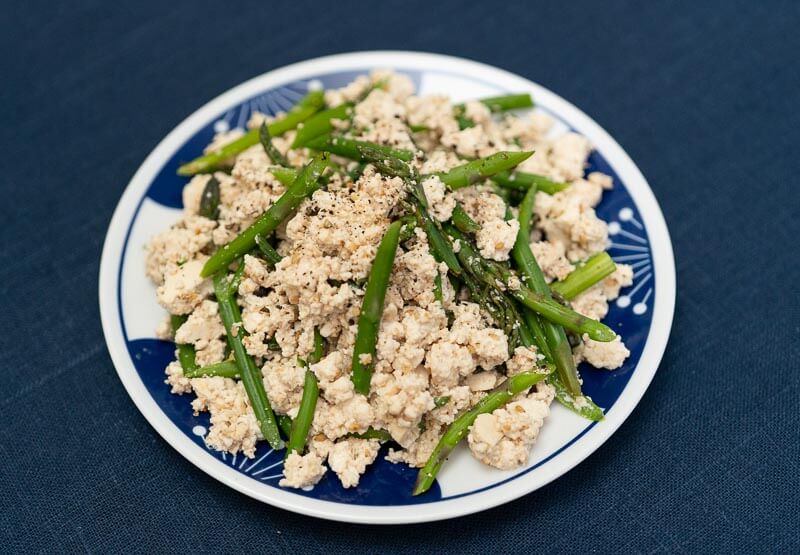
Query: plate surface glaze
(152, 202)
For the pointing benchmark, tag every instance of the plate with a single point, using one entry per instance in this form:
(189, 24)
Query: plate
(152, 201)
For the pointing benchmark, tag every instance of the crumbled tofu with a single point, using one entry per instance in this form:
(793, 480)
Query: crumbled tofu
(433, 112)
(349, 93)
(183, 288)
(352, 416)
(401, 399)
(458, 399)
(302, 471)
(176, 246)
(598, 178)
(419, 451)
(398, 86)
(568, 155)
(525, 359)
(482, 381)
(381, 119)
(475, 142)
(609, 355)
(349, 459)
(503, 439)
(439, 161)
(552, 260)
(496, 238)
(568, 219)
(449, 363)
(234, 427)
(164, 329)
(283, 380)
(528, 130)
(193, 193)
(441, 204)
(414, 273)
(490, 346)
(176, 380)
(478, 112)
(481, 205)
(201, 327)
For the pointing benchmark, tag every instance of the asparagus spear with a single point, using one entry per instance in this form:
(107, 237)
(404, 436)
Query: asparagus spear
(209, 202)
(495, 104)
(273, 153)
(186, 353)
(372, 309)
(597, 268)
(475, 170)
(349, 148)
(284, 175)
(462, 220)
(498, 397)
(305, 415)
(522, 181)
(224, 369)
(285, 425)
(269, 252)
(320, 124)
(555, 337)
(304, 109)
(372, 433)
(251, 377)
(579, 404)
(508, 102)
(305, 184)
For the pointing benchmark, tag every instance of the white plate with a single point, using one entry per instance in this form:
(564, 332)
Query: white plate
(130, 314)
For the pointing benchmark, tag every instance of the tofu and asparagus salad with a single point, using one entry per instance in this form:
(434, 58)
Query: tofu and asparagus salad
(376, 267)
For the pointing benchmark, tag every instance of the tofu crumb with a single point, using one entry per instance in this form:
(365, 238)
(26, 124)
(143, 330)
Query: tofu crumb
(610, 355)
(503, 439)
(349, 459)
(302, 471)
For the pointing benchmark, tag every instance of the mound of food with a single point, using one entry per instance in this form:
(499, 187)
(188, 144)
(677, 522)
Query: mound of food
(374, 266)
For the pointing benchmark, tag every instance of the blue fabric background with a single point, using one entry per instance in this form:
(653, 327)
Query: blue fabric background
(704, 96)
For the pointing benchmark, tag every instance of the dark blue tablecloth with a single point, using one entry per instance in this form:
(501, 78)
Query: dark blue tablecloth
(703, 97)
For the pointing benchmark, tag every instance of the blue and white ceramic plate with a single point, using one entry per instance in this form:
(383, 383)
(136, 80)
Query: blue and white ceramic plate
(151, 203)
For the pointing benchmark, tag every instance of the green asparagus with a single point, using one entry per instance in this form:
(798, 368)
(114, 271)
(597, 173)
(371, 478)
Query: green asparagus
(251, 377)
(320, 124)
(269, 252)
(304, 109)
(209, 202)
(224, 369)
(186, 353)
(372, 433)
(275, 155)
(301, 423)
(349, 148)
(523, 181)
(475, 170)
(462, 221)
(554, 335)
(583, 277)
(372, 309)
